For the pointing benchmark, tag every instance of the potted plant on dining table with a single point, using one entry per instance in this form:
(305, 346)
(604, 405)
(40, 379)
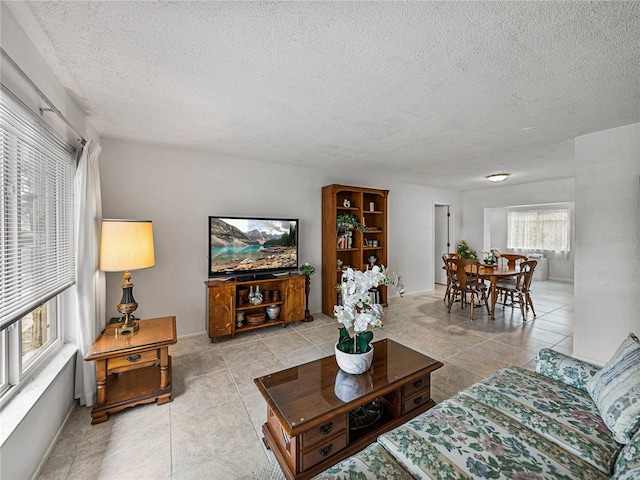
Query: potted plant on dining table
(465, 251)
(358, 313)
(491, 257)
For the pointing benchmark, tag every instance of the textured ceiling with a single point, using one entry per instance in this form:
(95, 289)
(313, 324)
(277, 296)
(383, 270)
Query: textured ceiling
(433, 93)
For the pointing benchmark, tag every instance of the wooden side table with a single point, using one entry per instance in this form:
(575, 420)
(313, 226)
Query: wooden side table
(133, 369)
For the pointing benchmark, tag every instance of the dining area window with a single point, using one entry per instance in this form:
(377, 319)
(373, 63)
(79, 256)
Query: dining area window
(539, 229)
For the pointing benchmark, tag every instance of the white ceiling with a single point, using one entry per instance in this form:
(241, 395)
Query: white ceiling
(433, 93)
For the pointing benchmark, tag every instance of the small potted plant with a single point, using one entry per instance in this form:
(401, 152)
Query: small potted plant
(465, 252)
(307, 270)
(348, 221)
(358, 313)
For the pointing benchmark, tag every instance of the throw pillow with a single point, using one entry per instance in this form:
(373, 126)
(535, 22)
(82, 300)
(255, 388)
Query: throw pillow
(628, 461)
(615, 389)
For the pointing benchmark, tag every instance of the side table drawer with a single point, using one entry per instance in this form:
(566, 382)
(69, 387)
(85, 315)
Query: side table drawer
(416, 400)
(132, 361)
(323, 450)
(412, 387)
(322, 431)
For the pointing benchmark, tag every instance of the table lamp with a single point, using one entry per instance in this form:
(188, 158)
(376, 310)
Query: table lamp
(126, 245)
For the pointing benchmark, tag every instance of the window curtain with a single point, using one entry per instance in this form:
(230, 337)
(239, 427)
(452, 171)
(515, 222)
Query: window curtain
(90, 281)
(538, 230)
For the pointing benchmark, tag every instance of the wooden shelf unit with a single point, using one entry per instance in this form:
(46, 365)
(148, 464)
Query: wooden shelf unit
(223, 304)
(375, 219)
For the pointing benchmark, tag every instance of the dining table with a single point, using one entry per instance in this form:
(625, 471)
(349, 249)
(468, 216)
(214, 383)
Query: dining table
(493, 274)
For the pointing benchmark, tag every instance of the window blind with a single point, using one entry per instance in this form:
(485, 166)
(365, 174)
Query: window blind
(37, 205)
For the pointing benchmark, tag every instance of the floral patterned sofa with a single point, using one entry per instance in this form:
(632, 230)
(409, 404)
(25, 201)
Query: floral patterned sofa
(522, 425)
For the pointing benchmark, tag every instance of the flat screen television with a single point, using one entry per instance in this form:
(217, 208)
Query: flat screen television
(244, 247)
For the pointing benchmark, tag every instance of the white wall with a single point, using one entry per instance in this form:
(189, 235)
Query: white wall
(607, 283)
(484, 231)
(26, 446)
(411, 232)
(178, 189)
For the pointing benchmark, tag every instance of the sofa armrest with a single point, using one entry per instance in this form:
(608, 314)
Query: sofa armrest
(558, 366)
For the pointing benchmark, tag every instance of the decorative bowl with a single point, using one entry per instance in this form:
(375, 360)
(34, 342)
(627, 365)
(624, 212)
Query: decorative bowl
(256, 318)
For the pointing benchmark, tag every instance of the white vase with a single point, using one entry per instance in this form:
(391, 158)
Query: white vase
(354, 363)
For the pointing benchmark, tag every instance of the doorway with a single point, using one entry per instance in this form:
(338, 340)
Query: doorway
(442, 241)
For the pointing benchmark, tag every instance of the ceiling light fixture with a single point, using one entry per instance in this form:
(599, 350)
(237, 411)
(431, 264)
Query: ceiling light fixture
(498, 177)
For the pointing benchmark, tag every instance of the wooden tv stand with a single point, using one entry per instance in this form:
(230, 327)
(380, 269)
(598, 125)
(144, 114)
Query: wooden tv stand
(223, 303)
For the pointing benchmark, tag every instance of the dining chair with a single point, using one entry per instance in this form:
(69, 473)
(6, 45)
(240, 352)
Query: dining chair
(445, 257)
(521, 287)
(466, 281)
(512, 259)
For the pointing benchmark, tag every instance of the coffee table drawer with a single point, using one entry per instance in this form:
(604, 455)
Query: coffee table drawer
(133, 361)
(323, 450)
(412, 387)
(415, 401)
(322, 431)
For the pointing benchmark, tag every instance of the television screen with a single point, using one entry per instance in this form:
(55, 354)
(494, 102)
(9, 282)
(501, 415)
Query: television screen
(242, 247)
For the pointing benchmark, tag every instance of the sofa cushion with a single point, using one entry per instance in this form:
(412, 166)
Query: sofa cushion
(568, 370)
(628, 464)
(462, 437)
(616, 390)
(372, 462)
(564, 415)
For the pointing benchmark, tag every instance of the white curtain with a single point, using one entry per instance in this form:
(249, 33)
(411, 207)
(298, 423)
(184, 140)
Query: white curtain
(538, 230)
(90, 281)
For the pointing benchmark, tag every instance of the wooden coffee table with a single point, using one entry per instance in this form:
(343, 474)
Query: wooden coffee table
(318, 415)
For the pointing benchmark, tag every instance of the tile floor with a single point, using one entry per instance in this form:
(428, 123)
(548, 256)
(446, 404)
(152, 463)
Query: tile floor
(212, 429)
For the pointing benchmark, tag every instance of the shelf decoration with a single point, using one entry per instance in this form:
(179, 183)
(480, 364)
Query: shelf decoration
(307, 270)
(348, 221)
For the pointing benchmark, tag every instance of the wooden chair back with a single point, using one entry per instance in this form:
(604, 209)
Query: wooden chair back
(512, 259)
(447, 256)
(467, 272)
(523, 281)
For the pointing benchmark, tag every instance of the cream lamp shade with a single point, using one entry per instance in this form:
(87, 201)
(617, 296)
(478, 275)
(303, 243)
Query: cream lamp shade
(126, 245)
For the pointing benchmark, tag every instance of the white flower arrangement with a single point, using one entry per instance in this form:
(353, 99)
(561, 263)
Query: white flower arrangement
(491, 256)
(358, 311)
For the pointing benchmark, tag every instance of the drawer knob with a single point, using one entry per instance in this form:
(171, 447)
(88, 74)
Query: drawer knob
(417, 383)
(324, 429)
(134, 358)
(417, 401)
(326, 451)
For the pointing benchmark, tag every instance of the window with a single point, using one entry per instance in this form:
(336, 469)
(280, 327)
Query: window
(542, 229)
(38, 330)
(37, 238)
